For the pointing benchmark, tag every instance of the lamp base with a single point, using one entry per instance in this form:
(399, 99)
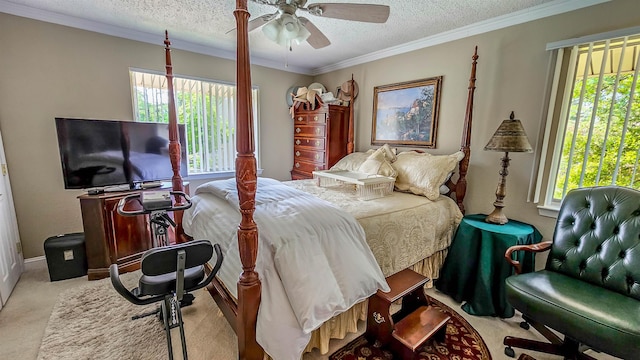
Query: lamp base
(496, 217)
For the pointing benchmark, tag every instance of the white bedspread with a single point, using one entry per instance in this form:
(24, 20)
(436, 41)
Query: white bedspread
(313, 258)
(401, 229)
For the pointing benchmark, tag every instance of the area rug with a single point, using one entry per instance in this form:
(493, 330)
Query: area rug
(94, 322)
(462, 342)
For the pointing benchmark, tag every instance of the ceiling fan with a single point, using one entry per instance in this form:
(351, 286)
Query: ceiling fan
(285, 27)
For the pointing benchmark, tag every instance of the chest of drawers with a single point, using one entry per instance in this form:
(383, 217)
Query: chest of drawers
(319, 139)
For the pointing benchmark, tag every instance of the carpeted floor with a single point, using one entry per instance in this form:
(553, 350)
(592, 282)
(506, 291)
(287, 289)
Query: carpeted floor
(462, 341)
(26, 317)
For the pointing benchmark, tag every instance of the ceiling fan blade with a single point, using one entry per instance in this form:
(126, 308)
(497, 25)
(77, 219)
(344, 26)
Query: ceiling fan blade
(317, 39)
(356, 12)
(261, 20)
(257, 22)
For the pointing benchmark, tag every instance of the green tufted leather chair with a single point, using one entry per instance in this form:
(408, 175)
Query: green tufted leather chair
(589, 289)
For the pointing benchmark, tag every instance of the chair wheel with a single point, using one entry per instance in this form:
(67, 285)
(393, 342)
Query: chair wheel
(509, 351)
(524, 325)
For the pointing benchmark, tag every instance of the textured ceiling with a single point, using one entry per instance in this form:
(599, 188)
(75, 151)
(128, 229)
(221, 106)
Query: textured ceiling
(201, 25)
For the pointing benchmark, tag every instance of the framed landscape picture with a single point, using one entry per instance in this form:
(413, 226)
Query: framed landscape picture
(406, 113)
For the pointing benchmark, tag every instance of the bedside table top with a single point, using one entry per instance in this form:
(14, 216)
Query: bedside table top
(513, 227)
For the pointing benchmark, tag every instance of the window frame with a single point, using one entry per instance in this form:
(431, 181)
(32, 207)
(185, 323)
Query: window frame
(207, 175)
(559, 96)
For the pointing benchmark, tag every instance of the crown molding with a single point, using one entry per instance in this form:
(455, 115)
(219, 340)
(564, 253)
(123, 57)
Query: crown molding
(518, 17)
(136, 35)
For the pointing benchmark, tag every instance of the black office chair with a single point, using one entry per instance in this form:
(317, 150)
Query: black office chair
(168, 273)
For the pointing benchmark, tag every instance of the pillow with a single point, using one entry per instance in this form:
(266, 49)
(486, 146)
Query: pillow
(351, 162)
(377, 164)
(422, 173)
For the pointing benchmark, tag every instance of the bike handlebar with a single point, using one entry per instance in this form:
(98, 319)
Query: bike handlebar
(124, 200)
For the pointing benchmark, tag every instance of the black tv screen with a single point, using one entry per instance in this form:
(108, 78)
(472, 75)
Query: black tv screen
(100, 153)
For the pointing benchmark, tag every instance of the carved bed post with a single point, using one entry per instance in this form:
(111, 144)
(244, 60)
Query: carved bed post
(461, 185)
(249, 286)
(350, 144)
(174, 142)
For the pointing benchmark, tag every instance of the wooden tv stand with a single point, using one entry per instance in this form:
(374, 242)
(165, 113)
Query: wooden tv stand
(114, 239)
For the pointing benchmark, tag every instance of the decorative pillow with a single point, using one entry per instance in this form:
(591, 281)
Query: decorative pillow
(422, 173)
(352, 161)
(377, 164)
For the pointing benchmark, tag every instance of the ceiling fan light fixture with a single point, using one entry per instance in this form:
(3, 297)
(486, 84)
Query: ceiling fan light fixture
(271, 30)
(302, 34)
(285, 30)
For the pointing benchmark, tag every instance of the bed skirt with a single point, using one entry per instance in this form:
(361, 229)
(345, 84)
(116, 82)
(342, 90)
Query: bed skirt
(339, 326)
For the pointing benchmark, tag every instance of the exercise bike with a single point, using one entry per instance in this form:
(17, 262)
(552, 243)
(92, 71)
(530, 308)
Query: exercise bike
(156, 204)
(169, 272)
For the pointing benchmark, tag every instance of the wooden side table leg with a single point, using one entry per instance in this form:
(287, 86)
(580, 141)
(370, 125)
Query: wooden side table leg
(379, 321)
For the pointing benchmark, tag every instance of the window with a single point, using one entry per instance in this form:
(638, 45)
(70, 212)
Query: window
(206, 108)
(596, 117)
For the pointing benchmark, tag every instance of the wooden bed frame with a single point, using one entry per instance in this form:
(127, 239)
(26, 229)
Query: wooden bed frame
(242, 314)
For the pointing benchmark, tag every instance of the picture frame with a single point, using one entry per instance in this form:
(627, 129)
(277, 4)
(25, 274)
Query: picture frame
(406, 113)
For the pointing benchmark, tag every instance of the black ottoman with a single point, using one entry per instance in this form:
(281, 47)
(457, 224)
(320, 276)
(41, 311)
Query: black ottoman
(66, 256)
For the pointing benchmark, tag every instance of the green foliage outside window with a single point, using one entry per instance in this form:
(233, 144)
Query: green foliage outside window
(203, 135)
(608, 140)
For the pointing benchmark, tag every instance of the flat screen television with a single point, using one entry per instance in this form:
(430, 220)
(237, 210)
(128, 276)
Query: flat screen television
(102, 153)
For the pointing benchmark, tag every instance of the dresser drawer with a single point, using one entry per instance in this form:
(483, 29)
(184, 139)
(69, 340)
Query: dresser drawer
(300, 120)
(309, 130)
(310, 143)
(304, 119)
(308, 155)
(307, 167)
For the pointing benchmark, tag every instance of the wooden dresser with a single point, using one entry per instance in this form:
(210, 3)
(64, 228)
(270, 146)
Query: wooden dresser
(320, 138)
(114, 239)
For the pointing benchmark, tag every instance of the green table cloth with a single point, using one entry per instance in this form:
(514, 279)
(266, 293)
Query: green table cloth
(475, 268)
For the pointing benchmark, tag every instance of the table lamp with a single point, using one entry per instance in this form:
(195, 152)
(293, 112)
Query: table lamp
(510, 137)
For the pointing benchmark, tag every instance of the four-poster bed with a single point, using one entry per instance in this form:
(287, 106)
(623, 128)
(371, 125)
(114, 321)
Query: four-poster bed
(241, 307)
